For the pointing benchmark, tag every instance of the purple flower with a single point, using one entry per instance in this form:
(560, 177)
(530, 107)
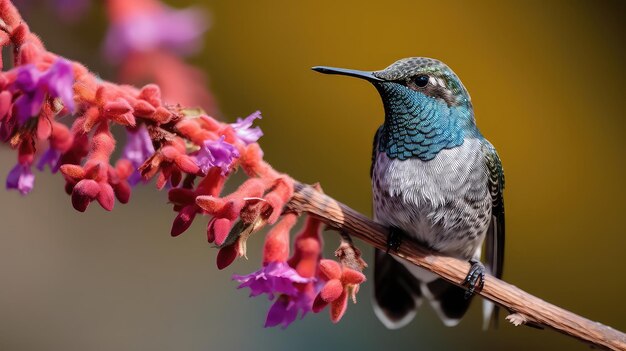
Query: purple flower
(29, 103)
(51, 158)
(56, 82)
(243, 130)
(21, 178)
(278, 278)
(274, 278)
(176, 30)
(285, 310)
(137, 150)
(59, 81)
(216, 153)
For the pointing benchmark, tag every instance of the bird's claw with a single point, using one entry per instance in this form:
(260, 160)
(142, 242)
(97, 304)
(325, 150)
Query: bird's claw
(475, 279)
(394, 239)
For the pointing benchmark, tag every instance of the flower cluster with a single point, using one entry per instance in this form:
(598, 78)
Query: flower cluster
(186, 150)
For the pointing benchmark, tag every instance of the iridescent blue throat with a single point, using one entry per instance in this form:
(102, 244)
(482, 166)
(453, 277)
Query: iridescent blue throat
(420, 126)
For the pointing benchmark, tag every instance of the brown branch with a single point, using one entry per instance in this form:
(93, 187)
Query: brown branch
(524, 307)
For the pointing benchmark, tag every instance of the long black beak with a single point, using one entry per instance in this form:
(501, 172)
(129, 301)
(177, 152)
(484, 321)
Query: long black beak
(348, 72)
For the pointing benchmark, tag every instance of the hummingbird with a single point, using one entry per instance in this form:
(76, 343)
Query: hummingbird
(435, 180)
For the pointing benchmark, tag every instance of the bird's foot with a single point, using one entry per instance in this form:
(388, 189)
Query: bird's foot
(394, 239)
(475, 279)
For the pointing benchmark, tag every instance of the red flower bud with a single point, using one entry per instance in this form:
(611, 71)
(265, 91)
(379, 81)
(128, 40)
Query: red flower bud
(330, 269)
(117, 107)
(143, 109)
(226, 255)
(60, 138)
(210, 204)
(210, 124)
(332, 290)
(73, 171)
(152, 94)
(44, 127)
(94, 170)
(161, 115)
(83, 193)
(29, 53)
(231, 209)
(181, 196)
(183, 220)
(20, 33)
(218, 230)
(126, 119)
(308, 248)
(278, 197)
(338, 307)
(102, 143)
(186, 164)
(169, 152)
(5, 103)
(161, 180)
(122, 191)
(276, 247)
(90, 117)
(106, 196)
(350, 276)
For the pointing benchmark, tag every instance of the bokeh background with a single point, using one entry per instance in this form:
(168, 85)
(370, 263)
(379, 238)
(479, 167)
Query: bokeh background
(547, 82)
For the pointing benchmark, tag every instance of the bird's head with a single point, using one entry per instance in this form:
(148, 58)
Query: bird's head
(411, 78)
(425, 103)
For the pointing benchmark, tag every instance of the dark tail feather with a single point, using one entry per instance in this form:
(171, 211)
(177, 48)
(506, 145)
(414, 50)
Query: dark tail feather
(448, 300)
(396, 292)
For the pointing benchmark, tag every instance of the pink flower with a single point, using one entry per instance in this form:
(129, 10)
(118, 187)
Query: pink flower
(244, 131)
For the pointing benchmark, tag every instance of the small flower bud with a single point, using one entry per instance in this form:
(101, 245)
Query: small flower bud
(73, 171)
(143, 109)
(218, 231)
(117, 107)
(183, 220)
(276, 246)
(226, 255)
(152, 94)
(83, 193)
(106, 196)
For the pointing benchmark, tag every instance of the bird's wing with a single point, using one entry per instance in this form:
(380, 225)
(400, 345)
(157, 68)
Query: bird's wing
(494, 243)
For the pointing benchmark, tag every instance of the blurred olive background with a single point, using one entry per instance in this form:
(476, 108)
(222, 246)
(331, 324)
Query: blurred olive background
(547, 82)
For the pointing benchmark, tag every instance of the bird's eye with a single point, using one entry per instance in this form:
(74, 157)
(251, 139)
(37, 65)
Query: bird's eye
(421, 80)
